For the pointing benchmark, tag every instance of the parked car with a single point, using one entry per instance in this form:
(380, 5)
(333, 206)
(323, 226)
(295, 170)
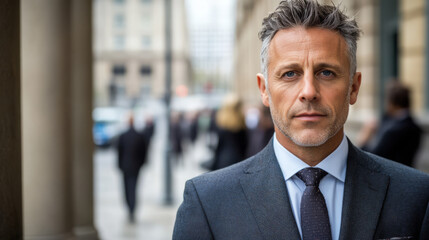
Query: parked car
(109, 122)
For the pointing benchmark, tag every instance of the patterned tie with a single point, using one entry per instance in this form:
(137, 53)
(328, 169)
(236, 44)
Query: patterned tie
(314, 214)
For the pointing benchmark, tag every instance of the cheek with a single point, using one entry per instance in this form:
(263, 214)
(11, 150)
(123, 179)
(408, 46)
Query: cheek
(281, 104)
(338, 100)
(283, 92)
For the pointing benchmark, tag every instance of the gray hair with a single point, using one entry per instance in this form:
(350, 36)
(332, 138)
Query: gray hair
(308, 13)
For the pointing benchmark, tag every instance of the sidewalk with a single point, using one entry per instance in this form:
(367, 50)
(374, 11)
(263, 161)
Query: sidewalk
(154, 221)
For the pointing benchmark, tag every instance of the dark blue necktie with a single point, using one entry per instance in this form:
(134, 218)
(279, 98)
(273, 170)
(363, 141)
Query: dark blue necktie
(314, 214)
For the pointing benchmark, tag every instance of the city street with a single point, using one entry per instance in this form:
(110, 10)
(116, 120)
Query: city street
(154, 220)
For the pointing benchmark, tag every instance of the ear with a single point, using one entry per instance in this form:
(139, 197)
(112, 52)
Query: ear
(263, 89)
(355, 87)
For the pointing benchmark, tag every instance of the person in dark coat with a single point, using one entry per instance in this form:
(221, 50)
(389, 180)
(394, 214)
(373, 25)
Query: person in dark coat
(132, 150)
(212, 130)
(260, 136)
(176, 136)
(398, 136)
(231, 130)
(193, 127)
(149, 130)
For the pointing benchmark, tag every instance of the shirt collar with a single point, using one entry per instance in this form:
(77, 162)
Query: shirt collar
(334, 164)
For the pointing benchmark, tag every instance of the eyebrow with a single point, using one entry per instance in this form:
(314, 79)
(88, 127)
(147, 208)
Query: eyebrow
(337, 68)
(282, 67)
(318, 66)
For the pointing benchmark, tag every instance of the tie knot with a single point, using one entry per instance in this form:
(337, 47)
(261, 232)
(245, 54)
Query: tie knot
(311, 176)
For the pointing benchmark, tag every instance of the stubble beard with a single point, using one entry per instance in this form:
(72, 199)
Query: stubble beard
(320, 137)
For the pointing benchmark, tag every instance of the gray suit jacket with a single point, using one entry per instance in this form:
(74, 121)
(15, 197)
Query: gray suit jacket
(249, 200)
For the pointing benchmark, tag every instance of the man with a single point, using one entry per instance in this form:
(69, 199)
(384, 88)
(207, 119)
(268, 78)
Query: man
(398, 136)
(132, 149)
(310, 182)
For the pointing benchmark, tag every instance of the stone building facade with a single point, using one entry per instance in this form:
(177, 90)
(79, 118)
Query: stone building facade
(129, 50)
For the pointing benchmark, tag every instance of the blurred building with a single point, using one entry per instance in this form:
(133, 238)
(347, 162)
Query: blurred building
(211, 29)
(393, 45)
(129, 50)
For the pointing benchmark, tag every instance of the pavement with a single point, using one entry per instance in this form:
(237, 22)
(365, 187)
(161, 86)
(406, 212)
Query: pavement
(154, 219)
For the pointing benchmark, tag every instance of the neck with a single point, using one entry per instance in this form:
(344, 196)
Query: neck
(311, 155)
(398, 112)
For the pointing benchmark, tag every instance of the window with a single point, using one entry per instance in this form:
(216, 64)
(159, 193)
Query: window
(146, 41)
(145, 70)
(119, 70)
(119, 42)
(119, 21)
(146, 21)
(119, 2)
(146, 83)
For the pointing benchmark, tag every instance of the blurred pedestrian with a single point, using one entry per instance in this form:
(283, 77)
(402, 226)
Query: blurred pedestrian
(208, 118)
(193, 126)
(259, 136)
(132, 150)
(147, 133)
(398, 136)
(149, 129)
(231, 129)
(176, 136)
(212, 139)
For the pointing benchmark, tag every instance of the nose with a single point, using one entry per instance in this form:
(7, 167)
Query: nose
(310, 89)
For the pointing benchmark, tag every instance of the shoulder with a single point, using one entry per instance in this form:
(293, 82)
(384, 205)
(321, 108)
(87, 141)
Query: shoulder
(228, 179)
(265, 159)
(405, 125)
(222, 178)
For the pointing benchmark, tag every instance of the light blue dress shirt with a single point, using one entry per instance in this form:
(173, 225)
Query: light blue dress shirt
(331, 186)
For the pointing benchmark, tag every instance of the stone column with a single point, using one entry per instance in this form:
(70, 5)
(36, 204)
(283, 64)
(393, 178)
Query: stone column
(412, 40)
(10, 123)
(81, 99)
(45, 35)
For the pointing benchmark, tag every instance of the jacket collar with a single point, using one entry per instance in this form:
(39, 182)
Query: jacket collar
(266, 192)
(364, 193)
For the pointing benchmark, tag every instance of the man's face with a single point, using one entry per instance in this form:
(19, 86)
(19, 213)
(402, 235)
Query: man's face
(309, 88)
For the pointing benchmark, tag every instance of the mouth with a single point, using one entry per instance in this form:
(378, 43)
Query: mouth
(310, 116)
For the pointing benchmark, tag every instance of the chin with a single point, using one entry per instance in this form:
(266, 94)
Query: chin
(309, 142)
(309, 139)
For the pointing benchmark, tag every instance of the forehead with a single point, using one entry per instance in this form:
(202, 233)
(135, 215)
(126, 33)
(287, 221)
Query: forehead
(302, 43)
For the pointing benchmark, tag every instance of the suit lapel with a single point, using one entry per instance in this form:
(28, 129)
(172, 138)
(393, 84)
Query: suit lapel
(364, 193)
(265, 190)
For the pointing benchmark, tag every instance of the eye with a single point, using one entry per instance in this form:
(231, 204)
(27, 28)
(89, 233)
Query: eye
(327, 73)
(289, 74)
